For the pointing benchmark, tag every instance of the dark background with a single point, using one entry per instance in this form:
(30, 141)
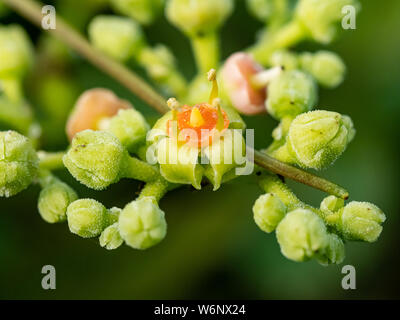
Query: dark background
(213, 248)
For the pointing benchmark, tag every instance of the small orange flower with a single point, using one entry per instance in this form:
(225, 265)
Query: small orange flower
(201, 124)
(205, 130)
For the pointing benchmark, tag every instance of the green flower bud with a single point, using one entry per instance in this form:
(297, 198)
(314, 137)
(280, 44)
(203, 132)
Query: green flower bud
(95, 158)
(198, 16)
(142, 224)
(179, 163)
(110, 237)
(143, 11)
(18, 163)
(290, 94)
(360, 221)
(261, 9)
(322, 17)
(316, 139)
(326, 67)
(120, 38)
(331, 205)
(130, 127)
(224, 155)
(301, 235)
(334, 251)
(159, 61)
(54, 200)
(160, 64)
(288, 60)
(16, 54)
(16, 115)
(268, 211)
(87, 218)
(348, 123)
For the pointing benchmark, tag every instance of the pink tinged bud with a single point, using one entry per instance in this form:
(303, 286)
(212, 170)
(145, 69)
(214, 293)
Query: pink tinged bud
(92, 107)
(237, 73)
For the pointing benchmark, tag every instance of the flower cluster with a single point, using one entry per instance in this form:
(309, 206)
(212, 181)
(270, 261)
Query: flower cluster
(304, 232)
(199, 141)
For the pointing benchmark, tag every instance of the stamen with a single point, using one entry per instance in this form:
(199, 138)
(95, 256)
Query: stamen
(174, 105)
(212, 76)
(263, 78)
(196, 119)
(220, 123)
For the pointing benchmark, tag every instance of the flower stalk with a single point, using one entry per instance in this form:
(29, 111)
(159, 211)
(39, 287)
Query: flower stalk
(51, 160)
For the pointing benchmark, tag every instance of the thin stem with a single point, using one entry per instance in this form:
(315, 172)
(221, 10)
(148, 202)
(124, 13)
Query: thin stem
(51, 160)
(263, 78)
(156, 189)
(45, 178)
(280, 14)
(130, 80)
(139, 170)
(299, 175)
(287, 36)
(206, 52)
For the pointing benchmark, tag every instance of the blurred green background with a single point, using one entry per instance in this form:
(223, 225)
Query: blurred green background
(213, 248)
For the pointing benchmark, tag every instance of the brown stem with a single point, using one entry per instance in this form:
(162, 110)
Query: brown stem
(32, 11)
(299, 175)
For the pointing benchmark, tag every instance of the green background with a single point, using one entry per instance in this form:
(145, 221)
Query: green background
(213, 248)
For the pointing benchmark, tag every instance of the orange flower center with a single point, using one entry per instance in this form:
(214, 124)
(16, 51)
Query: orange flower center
(198, 129)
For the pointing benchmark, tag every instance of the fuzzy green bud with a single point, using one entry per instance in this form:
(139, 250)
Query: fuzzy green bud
(261, 9)
(16, 54)
(18, 163)
(130, 127)
(286, 59)
(317, 138)
(179, 163)
(119, 38)
(331, 205)
(16, 115)
(325, 66)
(224, 154)
(290, 94)
(301, 235)
(159, 61)
(268, 211)
(360, 221)
(143, 11)
(198, 16)
(322, 18)
(142, 224)
(110, 237)
(87, 218)
(54, 200)
(95, 158)
(334, 252)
